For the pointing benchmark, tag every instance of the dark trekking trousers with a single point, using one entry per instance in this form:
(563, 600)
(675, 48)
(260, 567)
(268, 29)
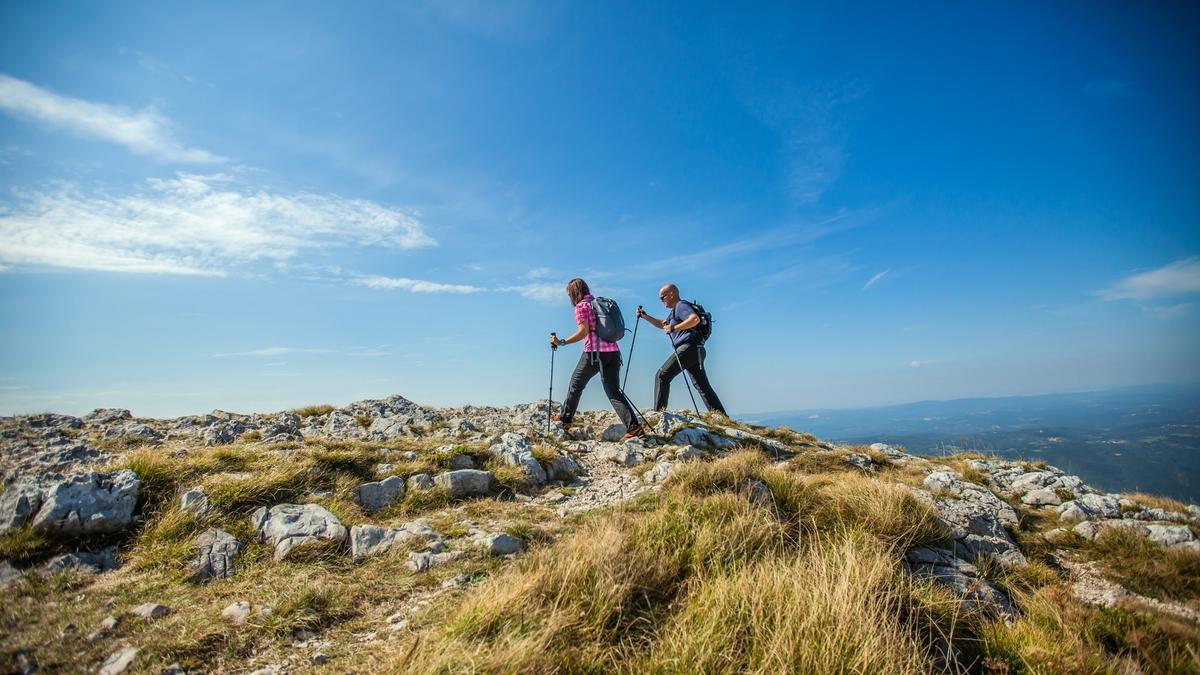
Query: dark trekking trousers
(608, 364)
(692, 358)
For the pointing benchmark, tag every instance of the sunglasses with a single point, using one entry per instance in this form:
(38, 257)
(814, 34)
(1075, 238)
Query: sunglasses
(663, 296)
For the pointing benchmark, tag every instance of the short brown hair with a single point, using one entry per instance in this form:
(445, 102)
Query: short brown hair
(576, 289)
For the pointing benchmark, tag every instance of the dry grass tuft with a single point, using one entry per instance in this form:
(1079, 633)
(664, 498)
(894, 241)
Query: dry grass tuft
(313, 410)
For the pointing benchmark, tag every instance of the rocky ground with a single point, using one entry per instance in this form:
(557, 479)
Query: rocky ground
(92, 506)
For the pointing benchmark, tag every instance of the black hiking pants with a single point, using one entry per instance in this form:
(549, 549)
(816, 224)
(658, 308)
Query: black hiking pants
(608, 364)
(692, 358)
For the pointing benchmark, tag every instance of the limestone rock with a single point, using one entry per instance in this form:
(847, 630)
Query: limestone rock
(379, 495)
(101, 416)
(370, 540)
(461, 462)
(421, 561)
(18, 504)
(216, 551)
(237, 613)
(194, 500)
(151, 611)
(514, 450)
(389, 428)
(88, 503)
(420, 481)
(341, 425)
(466, 483)
(962, 578)
(659, 472)
(613, 433)
(861, 462)
(689, 454)
(501, 544)
(119, 661)
(701, 438)
(286, 526)
(87, 561)
(1041, 497)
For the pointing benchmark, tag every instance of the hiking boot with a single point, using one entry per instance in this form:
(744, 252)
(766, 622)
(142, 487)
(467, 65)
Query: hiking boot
(634, 433)
(566, 426)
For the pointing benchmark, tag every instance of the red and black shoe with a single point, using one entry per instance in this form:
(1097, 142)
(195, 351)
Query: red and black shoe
(634, 433)
(566, 426)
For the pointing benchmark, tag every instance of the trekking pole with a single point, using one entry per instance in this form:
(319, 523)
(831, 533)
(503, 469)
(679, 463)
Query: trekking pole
(629, 364)
(681, 372)
(550, 396)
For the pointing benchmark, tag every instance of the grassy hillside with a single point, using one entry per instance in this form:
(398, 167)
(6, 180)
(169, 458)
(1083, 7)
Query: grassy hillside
(744, 560)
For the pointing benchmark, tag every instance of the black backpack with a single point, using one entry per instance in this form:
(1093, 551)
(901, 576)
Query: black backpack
(704, 329)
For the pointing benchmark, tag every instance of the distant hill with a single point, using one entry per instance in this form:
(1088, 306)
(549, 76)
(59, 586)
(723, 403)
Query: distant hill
(1133, 438)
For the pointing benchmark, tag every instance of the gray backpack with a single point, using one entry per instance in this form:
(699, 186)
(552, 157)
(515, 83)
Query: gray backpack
(610, 325)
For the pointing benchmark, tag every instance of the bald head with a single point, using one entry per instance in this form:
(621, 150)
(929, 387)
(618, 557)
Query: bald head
(669, 294)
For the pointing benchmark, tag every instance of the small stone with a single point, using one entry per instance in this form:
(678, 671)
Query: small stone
(194, 500)
(613, 432)
(461, 462)
(151, 611)
(420, 481)
(320, 658)
(466, 482)
(237, 613)
(119, 661)
(376, 496)
(1041, 497)
(173, 669)
(501, 544)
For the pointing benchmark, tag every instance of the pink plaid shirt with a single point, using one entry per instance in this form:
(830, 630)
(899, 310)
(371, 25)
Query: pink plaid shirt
(584, 314)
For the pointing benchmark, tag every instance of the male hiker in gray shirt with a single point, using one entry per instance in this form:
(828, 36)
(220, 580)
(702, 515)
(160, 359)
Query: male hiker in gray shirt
(681, 325)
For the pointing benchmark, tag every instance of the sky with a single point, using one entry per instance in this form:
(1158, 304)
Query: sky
(253, 206)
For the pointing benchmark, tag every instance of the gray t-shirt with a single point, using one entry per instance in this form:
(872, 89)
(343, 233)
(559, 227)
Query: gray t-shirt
(679, 313)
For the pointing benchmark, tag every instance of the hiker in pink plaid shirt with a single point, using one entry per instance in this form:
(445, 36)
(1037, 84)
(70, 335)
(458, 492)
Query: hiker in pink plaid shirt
(599, 356)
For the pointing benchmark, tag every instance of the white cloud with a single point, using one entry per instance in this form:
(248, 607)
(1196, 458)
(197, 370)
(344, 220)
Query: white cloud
(919, 363)
(1178, 278)
(540, 292)
(415, 285)
(145, 132)
(369, 353)
(277, 351)
(538, 273)
(876, 279)
(1169, 311)
(192, 225)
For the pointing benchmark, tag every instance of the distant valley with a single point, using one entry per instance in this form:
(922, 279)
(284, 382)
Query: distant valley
(1134, 438)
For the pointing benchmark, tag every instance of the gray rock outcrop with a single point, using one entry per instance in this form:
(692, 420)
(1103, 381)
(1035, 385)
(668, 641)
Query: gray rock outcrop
(371, 540)
(215, 553)
(288, 526)
(379, 495)
(88, 503)
(466, 483)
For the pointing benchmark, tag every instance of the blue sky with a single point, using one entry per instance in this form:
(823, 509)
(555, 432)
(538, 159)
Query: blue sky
(253, 206)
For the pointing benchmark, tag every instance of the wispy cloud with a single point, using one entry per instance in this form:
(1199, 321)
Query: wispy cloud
(876, 279)
(809, 122)
(1181, 277)
(541, 292)
(415, 285)
(192, 224)
(920, 363)
(372, 352)
(277, 351)
(145, 132)
(1169, 311)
